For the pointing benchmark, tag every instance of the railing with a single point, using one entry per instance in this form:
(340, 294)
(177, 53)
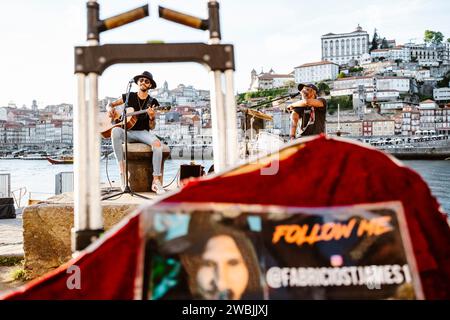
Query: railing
(18, 194)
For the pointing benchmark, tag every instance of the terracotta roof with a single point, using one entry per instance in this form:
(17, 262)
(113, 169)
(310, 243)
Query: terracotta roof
(428, 101)
(312, 64)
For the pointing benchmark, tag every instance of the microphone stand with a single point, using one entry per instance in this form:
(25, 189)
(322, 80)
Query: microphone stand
(273, 100)
(127, 188)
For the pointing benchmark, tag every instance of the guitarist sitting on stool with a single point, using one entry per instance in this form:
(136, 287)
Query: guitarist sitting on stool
(140, 132)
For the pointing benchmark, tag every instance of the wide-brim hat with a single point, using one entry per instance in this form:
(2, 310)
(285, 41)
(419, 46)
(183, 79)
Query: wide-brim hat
(146, 75)
(309, 85)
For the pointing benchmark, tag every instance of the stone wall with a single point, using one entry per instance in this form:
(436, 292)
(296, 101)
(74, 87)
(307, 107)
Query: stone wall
(47, 233)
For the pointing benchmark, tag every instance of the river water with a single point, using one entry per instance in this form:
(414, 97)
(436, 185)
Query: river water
(38, 176)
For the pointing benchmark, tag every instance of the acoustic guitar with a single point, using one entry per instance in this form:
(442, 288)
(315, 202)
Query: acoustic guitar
(107, 123)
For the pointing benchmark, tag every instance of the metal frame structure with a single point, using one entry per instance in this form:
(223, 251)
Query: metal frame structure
(93, 59)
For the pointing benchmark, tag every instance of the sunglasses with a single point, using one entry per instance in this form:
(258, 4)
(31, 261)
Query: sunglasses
(146, 81)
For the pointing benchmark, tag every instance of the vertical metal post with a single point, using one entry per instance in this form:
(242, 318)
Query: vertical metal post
(80, 157)
(87, 210)
(214, 20)
(95, 213)
(218, 122)
(231, 120)
(93, 17)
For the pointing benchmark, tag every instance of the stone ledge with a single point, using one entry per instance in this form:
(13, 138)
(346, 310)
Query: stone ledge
(47, 231)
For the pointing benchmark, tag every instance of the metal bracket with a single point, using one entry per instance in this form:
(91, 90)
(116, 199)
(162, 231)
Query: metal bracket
(218, 57)
(83, 238)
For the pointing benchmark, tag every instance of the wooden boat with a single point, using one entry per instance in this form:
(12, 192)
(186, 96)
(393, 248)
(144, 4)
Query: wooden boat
(61, 160)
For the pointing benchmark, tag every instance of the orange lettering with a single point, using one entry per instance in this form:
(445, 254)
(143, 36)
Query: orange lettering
(346, 230)
(375, 226)
(313, 238)
(279, 232)
(302, 235)
(292, 234)
(328, 230)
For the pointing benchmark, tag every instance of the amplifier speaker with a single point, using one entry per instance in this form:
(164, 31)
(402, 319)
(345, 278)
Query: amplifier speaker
(191, 171)
(7, 210)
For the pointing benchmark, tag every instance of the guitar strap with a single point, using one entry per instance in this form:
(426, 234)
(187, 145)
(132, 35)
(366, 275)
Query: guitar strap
(147, 105)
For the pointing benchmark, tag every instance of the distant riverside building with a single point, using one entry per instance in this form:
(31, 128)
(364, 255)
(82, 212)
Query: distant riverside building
(344, 47)
(269, 80)
(316, 71)
(411, 120)
(433, 119)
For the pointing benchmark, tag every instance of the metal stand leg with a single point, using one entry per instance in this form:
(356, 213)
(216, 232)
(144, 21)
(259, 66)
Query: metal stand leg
(218, 122)
(231, 120)
(88, 223)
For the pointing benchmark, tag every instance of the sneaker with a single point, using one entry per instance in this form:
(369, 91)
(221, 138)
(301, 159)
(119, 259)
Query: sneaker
(157, 187)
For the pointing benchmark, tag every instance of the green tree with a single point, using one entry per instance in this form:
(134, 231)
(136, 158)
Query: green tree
(445, 82)
(428, 36)
(322, 86)
(448, 40)
(384, 44)
(374, 41)
(433, 37)
(341, 75)
(344, 102)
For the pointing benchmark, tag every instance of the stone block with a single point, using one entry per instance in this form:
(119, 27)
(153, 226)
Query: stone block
(140, 166)
(47, 233)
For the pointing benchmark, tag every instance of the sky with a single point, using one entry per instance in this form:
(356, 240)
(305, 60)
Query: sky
(38, 39)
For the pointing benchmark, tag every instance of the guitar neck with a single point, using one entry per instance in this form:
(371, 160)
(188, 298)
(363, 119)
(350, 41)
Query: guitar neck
(135, 113)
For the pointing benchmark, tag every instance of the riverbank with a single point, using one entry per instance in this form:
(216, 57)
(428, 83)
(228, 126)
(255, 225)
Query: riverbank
(420, 153)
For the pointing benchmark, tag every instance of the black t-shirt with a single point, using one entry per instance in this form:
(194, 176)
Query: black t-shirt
(319, 114)
(139, 104)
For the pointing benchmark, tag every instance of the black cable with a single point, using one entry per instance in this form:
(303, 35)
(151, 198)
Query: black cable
(106, 168)
(173, 180)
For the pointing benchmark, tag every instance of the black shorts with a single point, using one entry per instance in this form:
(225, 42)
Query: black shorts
(302, 111)
(299, 111)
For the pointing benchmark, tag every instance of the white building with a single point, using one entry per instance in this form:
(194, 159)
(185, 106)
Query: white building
(401, 84)
(400, 53)
(3, 114)
(315, 72)
(343, 47)
(422, 52)
(446, 53)
(411, 120)
(441, 94)
(397, 53)
(428, 104)
(419, 75)
(269, 80)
